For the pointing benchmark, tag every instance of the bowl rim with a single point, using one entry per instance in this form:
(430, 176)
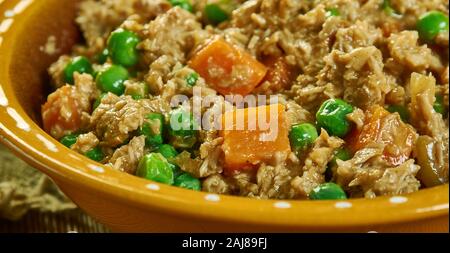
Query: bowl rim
(31, 143)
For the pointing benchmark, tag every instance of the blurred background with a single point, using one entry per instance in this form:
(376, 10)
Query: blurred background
(31, 203)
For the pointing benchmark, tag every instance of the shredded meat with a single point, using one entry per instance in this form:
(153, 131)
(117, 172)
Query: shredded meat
(274, 182)
(296, 114)
(361, 34)
(211, 152)
(397, 96)
(190, 165)
(406, 51)
(358, 117)
(426, 119)
(316, 164)
(207, 164)
(370, 57)
(150, 9)
(216, 184)
(97, 19)
(85, 142)
(347, 170)
(397, 181)
(170, 34)
(423, 116)
(127, 157)
(367, 174)
(86, 86)
(243, 183)
(56, 71)
(158, 74)
(116, 118)
(357, 76)
(310, 96)
(364, 81)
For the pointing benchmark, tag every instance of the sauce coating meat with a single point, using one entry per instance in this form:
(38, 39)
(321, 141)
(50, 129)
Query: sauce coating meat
(355, 95)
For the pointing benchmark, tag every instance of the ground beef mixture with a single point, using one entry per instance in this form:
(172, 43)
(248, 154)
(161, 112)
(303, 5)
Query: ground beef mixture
(360, 90)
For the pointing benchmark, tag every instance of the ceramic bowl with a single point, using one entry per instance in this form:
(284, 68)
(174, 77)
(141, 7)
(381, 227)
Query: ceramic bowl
(129, 204)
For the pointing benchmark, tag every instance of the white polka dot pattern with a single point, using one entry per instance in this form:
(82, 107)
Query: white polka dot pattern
(49, 145)
(153, 187)
(343, 204)
(21, 124)
(96, 168)
(282, 205)
(398, 200)
(212, 197)
(3, 99)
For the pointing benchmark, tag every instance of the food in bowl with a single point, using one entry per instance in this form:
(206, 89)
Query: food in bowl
(261, 98)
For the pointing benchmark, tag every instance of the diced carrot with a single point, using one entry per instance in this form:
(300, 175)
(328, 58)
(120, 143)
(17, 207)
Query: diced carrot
(61, 113)
(279, 75)
(227, 69)
(370, 130)
(253, 136)
(383, 127)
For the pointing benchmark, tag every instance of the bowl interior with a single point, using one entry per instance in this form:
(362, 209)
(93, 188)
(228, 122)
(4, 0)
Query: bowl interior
(30, 60)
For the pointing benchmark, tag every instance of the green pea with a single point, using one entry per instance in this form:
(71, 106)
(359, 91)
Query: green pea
(215, 14)
(333, 12)
(182, 129)
(168, 151)
(112, 80)
(78, 64)
(136, 97)
(184, 4)
(176, 170)
(153, 129)
(192, 79)
(183, 142)
(302, 135)
(327, 191)
(332, 116)
(439, 105)
(156, 168)
(102, 57)
(98, 101)
(95, 154)
(69, 140)
(388, 9)
(342, 154)
(431, 24)
(187, 181)
(122, 46)
(133, 72)
(182, 123)
(401, 110)
(185, 123)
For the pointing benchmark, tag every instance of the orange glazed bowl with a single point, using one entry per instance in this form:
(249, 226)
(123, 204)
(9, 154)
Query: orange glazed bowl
(129, 204)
